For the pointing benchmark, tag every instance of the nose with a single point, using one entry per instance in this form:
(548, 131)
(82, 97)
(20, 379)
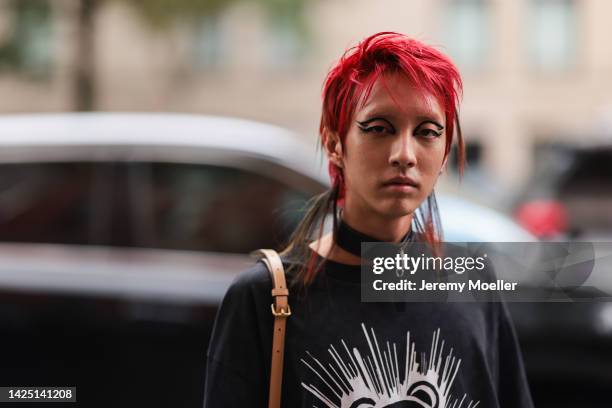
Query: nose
(403, 151)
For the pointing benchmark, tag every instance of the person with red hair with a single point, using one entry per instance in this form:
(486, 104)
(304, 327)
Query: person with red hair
(389, 119)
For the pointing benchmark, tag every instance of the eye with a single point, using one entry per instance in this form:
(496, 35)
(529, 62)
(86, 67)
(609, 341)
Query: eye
(429, 133)
(378, 129)
(376, 126)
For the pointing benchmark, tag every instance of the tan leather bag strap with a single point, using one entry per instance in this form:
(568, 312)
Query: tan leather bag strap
(280, 311)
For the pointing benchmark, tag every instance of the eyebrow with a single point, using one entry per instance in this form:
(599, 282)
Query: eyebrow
(422, 120)
(367, 122)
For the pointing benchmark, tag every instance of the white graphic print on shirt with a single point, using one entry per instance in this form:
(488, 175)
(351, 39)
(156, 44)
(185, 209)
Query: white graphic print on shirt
(373, 380)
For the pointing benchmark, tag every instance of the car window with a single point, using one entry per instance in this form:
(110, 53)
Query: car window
(590, 173)
(55, 202)
(147, 205)
(210, 208)
(586, 190)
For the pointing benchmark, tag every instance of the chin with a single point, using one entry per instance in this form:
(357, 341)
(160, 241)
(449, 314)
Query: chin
(399, 209)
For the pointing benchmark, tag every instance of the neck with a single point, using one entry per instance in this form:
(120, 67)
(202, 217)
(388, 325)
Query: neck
(379, 228)
(349, 238)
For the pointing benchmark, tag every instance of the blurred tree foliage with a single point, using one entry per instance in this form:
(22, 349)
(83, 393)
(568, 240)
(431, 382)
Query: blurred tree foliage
(291, 12)
(285, 8)
(163, 13)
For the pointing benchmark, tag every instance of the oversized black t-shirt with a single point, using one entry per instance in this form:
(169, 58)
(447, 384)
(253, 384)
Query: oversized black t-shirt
(340, 352)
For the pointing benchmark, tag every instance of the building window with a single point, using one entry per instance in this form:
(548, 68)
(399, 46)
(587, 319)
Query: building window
(26, 44)
(208, 47)
(468, 32)
(552, 34)
(287, 38)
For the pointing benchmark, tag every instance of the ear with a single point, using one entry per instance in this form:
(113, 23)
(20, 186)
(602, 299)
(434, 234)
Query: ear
(333, 147)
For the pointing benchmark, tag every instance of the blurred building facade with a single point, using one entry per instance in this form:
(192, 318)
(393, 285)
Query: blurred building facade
(535, 71)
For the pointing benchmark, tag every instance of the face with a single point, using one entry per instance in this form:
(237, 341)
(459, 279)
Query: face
(393, 151)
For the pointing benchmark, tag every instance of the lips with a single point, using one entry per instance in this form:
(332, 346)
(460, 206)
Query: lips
(401, 181)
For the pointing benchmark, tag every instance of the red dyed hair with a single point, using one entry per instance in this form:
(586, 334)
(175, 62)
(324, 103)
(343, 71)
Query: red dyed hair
(354, 75)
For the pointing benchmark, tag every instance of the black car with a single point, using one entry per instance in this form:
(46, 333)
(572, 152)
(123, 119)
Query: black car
(570, 193)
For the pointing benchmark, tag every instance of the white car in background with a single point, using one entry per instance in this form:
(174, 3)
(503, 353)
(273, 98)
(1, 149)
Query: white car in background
(161, 206)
